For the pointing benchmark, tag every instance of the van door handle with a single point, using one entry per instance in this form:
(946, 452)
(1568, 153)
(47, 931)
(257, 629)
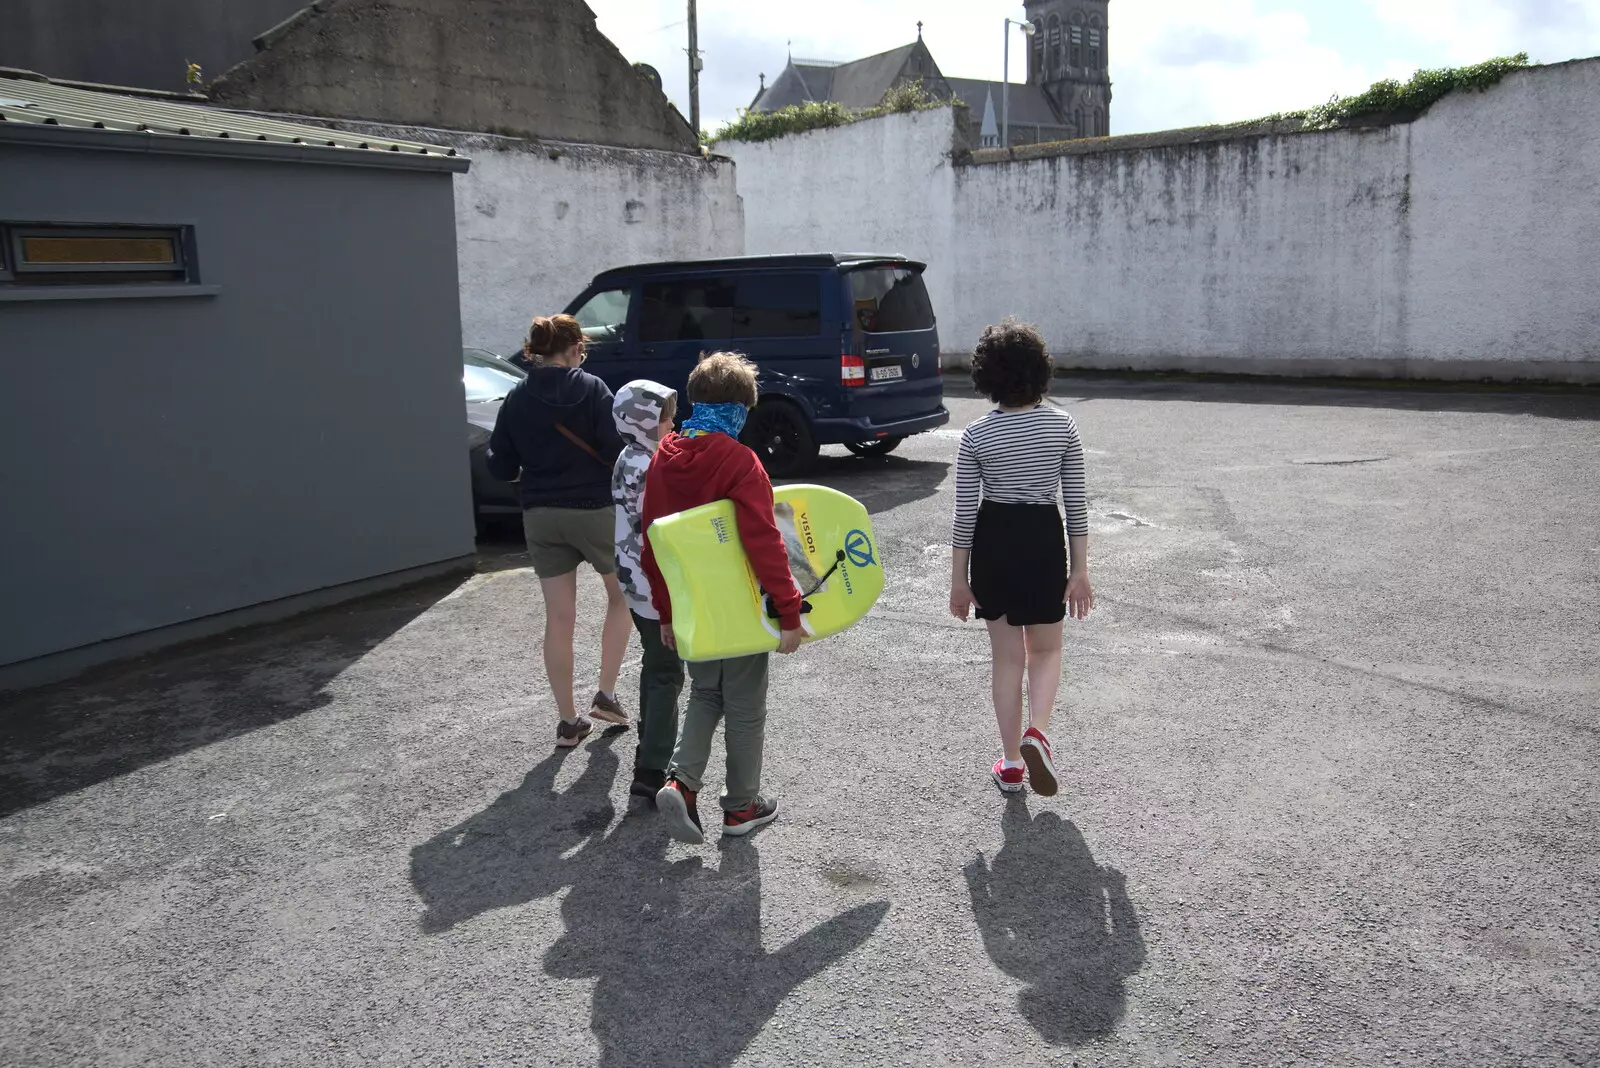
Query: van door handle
(648, 350)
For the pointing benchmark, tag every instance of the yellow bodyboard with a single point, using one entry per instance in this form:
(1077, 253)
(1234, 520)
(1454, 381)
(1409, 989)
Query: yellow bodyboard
(718, 609)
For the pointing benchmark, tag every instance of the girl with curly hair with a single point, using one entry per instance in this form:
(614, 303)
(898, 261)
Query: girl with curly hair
(1009, 558)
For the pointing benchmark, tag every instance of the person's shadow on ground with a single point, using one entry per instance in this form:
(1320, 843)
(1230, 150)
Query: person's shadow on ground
(510, 853)
(1058, 921)
(676, 948)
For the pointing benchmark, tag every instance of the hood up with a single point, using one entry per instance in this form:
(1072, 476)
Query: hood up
(638, 408)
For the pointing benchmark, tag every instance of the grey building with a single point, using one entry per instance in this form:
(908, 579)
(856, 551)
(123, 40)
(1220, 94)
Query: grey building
(540, 70)
(1067, 94)
(231, 385)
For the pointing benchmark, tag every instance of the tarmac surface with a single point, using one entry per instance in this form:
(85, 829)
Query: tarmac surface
(1329, 744)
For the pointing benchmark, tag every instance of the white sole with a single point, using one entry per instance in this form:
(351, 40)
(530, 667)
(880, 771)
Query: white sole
(675, 811)
(1041, 773)
(609, 718)
(746, 828)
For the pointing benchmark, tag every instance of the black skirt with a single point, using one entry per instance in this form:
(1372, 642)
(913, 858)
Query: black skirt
(1019, 564)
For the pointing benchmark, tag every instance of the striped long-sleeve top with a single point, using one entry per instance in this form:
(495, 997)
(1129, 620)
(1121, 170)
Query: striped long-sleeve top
(1019, 458)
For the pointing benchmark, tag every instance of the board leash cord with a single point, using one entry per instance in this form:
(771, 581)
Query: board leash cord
(805, 606)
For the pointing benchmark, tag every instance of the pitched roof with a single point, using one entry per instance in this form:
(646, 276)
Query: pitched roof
(1029, 104)
(795, 84)
(39, 111)
(862, 83)
(858, 84)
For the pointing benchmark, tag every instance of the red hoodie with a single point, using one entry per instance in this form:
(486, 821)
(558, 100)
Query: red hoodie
(689, 472)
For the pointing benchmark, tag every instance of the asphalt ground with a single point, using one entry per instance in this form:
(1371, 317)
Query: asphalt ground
(1329, 748)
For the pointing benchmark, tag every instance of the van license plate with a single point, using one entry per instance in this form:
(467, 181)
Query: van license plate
(884, 374)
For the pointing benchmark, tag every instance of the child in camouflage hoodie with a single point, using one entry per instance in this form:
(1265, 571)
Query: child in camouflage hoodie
(644, 412)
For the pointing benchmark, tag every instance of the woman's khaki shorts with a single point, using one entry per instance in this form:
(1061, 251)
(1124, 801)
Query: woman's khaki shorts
(559, 539)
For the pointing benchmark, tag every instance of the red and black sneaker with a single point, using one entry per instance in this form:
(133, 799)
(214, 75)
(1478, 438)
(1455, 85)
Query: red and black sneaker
(1041, 768)
(675, 802)
(1008, 779)
(757, 813)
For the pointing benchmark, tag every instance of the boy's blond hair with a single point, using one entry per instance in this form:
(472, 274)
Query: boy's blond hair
(723, 378)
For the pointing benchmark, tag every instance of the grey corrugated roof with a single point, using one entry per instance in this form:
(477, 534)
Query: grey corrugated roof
(1029, 105)
(43, 112)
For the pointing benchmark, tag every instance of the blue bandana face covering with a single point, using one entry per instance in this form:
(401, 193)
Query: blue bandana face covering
(716, 419)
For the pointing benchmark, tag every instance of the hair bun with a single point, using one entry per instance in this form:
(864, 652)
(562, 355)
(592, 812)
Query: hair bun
(553, 334)
(541, 335)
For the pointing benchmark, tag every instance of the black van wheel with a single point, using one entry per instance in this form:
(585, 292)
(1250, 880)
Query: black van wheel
(779, 435)
(875, 447)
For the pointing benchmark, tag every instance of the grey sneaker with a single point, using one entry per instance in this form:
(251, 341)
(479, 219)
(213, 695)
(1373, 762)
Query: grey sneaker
(758, 813)
(606, 710)
(569, 732)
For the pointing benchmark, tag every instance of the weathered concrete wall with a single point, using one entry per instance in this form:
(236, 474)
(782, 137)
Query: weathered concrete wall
(1459, 245)
(886, 185)
(535, 221)
(499, 66)
(144, 44)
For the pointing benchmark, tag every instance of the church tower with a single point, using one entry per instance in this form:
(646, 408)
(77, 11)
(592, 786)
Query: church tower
(1068, 57)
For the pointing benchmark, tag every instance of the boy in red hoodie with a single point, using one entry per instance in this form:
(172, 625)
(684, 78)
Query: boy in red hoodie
(703, 464)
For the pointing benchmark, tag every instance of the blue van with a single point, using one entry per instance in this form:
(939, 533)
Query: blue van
(847, 345)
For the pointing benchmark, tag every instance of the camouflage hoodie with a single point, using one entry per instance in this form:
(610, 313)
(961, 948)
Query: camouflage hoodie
(637, 410)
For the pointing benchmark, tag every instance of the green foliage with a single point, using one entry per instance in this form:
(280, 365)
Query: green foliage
(1390, 97)
(818, 115)
(796, 118)
(903, 98)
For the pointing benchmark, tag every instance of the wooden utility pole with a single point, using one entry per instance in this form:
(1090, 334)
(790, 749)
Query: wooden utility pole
(694, 69)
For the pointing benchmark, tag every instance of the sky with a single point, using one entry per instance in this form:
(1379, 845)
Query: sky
(1173, 62)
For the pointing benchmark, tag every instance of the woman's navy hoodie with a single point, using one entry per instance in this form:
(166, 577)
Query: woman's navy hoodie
(554, 472)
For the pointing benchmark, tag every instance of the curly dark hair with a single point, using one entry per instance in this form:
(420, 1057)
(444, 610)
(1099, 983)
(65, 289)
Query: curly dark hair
(1010, 366)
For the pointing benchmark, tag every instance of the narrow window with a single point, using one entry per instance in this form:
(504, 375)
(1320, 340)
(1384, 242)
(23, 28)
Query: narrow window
(55, 254)
(1094, 49)
(1077, 46)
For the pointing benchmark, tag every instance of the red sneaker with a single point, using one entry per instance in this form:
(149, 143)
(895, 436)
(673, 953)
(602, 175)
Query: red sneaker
(1008, 779)
(1041, 769)
(675, 802)
(758, 813)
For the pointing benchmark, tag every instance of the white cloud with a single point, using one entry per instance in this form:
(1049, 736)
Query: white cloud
(1467, 31)
(1173, 62)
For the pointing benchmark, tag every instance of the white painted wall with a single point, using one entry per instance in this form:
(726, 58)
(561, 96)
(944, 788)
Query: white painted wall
(535, 221)
(883, 185)
(1456, 246)
(532, 230)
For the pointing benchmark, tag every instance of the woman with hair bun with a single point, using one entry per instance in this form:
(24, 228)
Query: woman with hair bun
(556, 438)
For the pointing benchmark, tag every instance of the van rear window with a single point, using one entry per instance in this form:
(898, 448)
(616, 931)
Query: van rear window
(888, 300)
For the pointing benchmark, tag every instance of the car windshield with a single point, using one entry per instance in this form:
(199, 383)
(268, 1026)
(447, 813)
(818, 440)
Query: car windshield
(485, 376)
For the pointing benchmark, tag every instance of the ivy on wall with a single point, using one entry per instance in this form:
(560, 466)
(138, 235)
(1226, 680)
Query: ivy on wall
(1390, 97)
(820, 114)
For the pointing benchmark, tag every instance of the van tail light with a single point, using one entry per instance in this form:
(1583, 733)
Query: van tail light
(852, 370)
